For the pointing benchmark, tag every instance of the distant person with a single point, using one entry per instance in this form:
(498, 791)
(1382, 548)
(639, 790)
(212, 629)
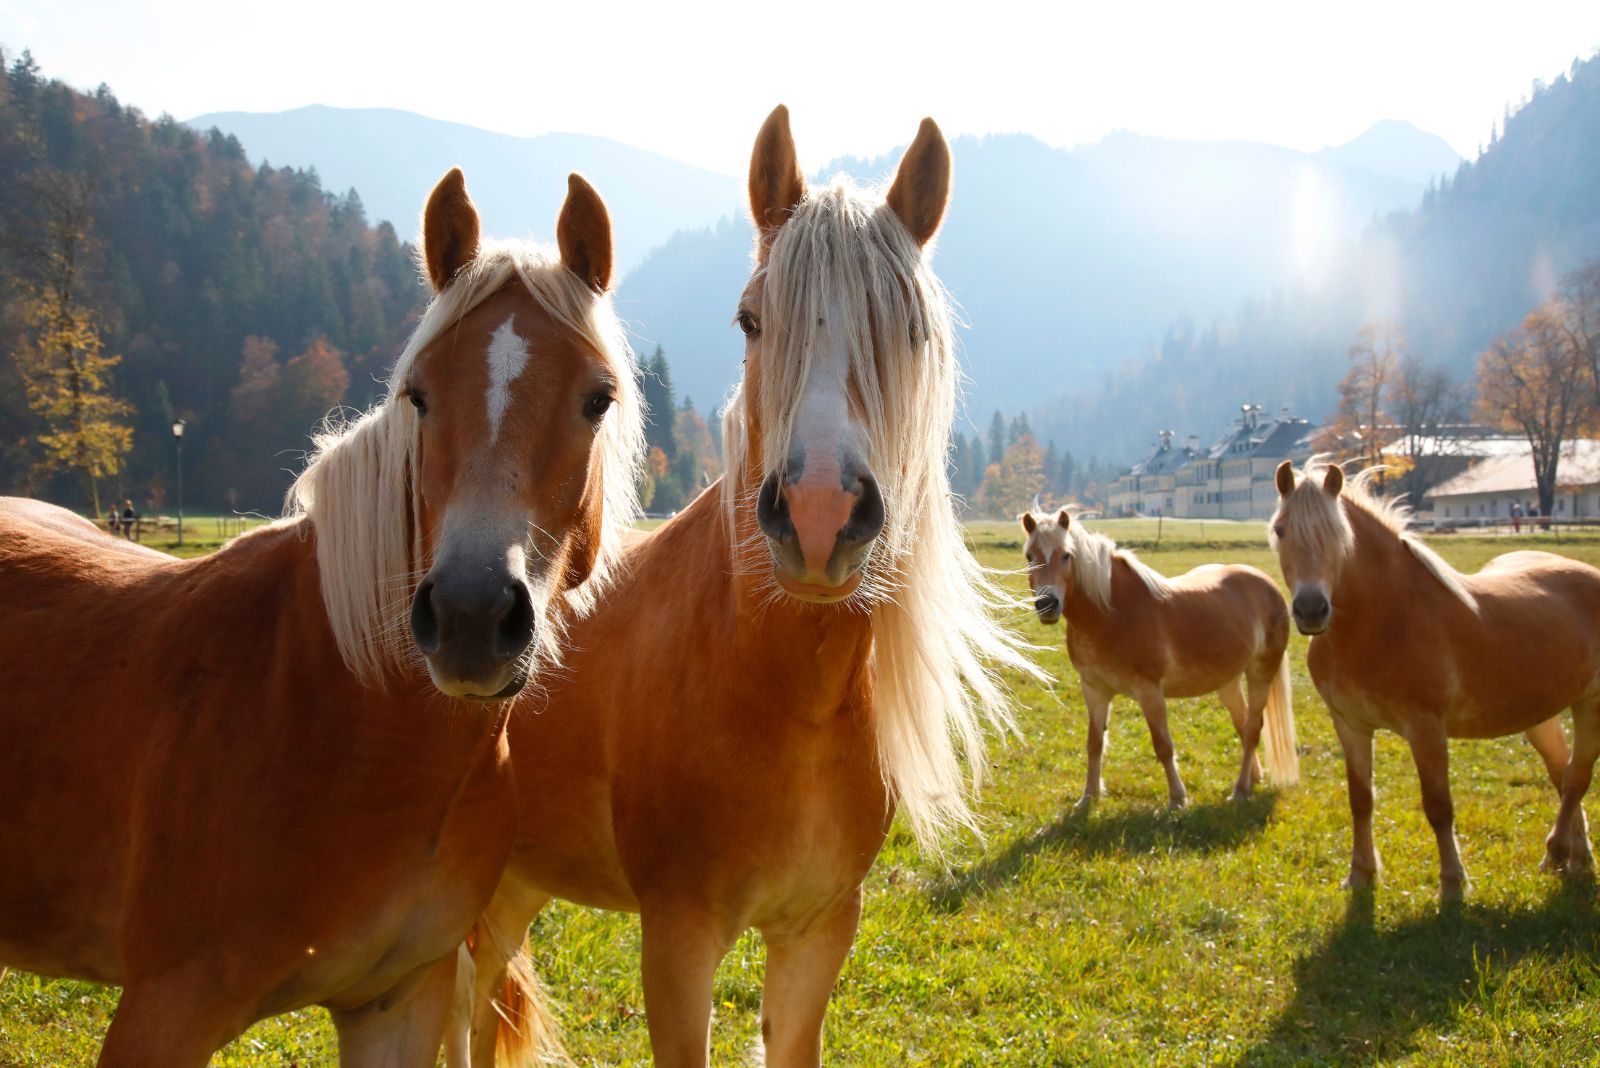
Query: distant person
(1516, 517)
(114, 520)
(130, 519)
(1533, 519)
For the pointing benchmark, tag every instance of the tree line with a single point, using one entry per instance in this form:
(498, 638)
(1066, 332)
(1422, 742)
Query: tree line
(153, 274)
(1006, 471)
(1539, 380)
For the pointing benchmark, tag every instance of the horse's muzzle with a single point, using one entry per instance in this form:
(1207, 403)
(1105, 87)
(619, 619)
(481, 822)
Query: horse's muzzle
(1311, 610)
(1048, 606)
(820, 531)
(474, 626)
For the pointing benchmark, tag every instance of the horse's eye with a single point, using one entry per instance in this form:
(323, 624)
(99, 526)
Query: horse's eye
(1277, 530)
(597, 406)
(747, 323)
(418, 401)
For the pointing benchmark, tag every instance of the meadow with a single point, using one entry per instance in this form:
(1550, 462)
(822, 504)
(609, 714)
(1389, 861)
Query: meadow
(1128, 935)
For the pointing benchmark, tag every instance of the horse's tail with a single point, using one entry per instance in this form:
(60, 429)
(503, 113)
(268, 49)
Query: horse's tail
(526, 1032)
(1278, 735)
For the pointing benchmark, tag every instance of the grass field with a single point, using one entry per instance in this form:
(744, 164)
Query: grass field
(1132, 935)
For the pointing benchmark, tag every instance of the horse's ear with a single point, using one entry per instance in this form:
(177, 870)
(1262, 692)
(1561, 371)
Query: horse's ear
(449, 229)
(1064, 519)
(1029, 523)
(583, 234)
(776, 182)
(921, 186)
(1333, 481)
(1285, 478)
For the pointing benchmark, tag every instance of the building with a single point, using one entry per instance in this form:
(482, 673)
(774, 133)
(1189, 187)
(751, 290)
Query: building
(1485, 492)
(1232, 479)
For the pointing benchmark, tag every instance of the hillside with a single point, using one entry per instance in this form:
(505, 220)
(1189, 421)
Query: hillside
(1067, 260)
(243, 299)
(393, 158)
(1471, 258)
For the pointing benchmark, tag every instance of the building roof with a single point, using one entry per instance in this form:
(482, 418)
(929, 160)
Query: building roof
(1511, 471)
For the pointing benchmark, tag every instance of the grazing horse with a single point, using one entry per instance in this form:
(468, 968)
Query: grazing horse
(1134, 632)
(229, 784)
(1404, 642)
(807, 646)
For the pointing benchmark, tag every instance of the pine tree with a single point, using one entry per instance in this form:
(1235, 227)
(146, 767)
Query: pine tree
(997, 437)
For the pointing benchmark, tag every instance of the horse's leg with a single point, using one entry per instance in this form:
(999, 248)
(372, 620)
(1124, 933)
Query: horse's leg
(801, 971)
(1568, 844)
(681, 949)
(1430, 748)
(1154, 705)
(165, 1024)
(500, 932)
(404, 1033)
(1357, 746)
(1098, 702)
(1247, 720)
(1550, 742)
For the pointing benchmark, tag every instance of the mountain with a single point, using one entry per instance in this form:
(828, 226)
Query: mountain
(1474, 255)
(1066, 261)
(1397, 149)
(240, 298)
(393, 158)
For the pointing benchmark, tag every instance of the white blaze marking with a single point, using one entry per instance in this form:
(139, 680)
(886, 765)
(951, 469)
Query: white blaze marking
(508, 355)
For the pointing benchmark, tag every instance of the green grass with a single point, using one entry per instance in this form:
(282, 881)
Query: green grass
(1132, 935)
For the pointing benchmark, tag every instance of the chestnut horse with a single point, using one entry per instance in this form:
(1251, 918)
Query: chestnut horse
(1134, 632)
(806, 646)
(1406, 643)
(228, 783)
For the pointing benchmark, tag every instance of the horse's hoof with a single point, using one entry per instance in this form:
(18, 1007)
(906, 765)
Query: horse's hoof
(1359, 880)
(1239, 795)
(1181, 801)
(1552, 864)
(1452, 888)
(1084, 804)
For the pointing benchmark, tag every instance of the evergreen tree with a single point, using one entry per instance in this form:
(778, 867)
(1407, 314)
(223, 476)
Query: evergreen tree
(997, 438)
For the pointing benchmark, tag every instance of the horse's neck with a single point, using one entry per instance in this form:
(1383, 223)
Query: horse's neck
(1380, 565)
(1084, 611)
(404, 705)
(809, 658)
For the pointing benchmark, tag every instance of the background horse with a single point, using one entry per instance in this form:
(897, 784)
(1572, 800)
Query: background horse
(1132, 631)
(228, 783)
(807, 642)
(1405, 642)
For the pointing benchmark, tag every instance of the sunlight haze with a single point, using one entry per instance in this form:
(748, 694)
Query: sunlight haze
(694, 85)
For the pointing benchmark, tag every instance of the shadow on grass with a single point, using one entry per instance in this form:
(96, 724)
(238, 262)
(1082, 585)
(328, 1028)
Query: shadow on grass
(1200, 828)
(1367, 994)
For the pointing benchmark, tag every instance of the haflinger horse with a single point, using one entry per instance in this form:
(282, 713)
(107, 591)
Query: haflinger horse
(1132, 631)
(1404, 642)
(229, 784)
(808, 646)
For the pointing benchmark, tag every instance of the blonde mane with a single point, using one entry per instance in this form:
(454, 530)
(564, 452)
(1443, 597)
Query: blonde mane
(936, 639)
(1326, 529)
(357, 490)
(1094, 557)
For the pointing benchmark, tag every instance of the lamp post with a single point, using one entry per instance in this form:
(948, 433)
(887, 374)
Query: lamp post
(177, 435)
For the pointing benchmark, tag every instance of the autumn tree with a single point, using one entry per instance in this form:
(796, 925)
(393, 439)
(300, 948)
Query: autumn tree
(273, 409)
(1424, 401)
(1010, 486)
(1356, 430)
(60, 358)
(1536, 380)
(1579, 303)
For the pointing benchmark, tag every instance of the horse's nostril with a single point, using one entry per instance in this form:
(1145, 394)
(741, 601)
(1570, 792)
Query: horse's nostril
(513, 631)
(866, 515)
(772, 510)
(425, 619)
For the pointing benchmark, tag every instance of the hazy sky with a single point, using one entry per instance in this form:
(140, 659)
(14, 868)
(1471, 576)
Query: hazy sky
(694, 80)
